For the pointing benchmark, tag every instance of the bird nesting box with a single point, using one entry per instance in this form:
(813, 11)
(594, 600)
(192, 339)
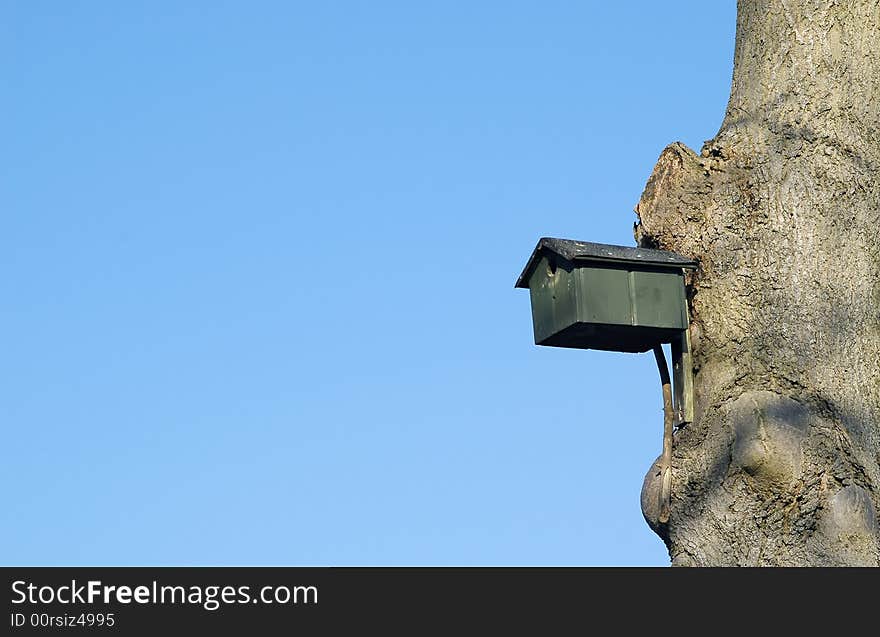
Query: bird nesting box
(597, 296)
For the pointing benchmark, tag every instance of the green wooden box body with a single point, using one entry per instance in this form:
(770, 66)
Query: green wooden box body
(606, 306)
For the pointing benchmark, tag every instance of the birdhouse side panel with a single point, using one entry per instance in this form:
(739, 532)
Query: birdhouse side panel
(659, 300)
(604, 296)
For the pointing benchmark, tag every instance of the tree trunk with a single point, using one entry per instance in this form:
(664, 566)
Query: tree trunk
(782, 210)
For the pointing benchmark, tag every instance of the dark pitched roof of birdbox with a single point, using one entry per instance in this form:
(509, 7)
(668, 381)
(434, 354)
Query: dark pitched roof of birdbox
(602, 252)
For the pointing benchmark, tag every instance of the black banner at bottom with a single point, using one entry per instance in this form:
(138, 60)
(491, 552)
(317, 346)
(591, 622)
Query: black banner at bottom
(270, 600)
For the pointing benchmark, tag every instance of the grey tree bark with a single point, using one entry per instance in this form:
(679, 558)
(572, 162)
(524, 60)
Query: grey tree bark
(782, 210)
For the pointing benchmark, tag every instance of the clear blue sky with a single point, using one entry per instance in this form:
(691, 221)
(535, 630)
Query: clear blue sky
(258, 259)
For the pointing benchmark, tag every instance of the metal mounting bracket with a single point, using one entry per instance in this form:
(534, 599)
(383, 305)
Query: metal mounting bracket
(683, 378)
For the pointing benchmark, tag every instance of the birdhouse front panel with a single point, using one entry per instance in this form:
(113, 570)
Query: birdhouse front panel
(554, 299)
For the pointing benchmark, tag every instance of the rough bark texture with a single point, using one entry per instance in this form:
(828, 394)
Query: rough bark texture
(782, 209)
